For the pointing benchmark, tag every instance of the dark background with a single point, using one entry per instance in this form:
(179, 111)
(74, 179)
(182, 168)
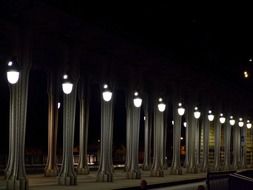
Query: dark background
(206, 42)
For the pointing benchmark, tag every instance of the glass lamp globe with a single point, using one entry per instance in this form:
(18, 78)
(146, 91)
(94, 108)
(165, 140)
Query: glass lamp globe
(137, 100)
(107, 94)
(222, 119)
(240, 123)
(185, 124)
(249, 125)
(196, 113)
(67, 86)
(210, 116)
(232, 121)
(180, 109)
(12, 73)
(161, 106)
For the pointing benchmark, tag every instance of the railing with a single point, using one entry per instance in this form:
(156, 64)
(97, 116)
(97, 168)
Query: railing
(218, 180)
(237, 181)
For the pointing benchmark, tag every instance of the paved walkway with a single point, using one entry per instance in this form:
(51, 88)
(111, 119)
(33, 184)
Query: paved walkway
(39, 182)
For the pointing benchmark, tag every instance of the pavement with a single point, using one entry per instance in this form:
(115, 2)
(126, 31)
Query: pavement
(39, 182)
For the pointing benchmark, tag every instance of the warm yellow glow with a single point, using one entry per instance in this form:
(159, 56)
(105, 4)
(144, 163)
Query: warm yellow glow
(246, 74)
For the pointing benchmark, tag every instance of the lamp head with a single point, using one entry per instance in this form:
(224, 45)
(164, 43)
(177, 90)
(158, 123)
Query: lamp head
(107, 94)
(180, 109)
(240, 123)
(161, 105)
(67, 85)
(196, 113)
(210, 116)
(222, 118)
(137, 100)
(12, 72)
(249, 125)
(232, 121)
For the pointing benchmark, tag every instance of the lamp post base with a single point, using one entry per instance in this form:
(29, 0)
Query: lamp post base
(67, 180)
(176, 171)
(51, 172)
(157, 173)
(104, 177)
(83, 171)
(17, 184)
(134, 175)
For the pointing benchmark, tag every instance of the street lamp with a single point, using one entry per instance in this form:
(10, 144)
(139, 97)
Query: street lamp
(249, 125)
(180, 109)
(137, 100)
(161, 106)
(232, 121)
(240, 123)
(185, 124)
(12, 72)
(222, 118)
(67, 85)
(210, 116)
(107, 94)
(196, 113)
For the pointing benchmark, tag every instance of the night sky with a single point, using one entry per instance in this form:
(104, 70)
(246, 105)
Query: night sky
(216, 44)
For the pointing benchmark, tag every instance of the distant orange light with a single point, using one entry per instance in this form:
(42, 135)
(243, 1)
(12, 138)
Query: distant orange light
(246, 74)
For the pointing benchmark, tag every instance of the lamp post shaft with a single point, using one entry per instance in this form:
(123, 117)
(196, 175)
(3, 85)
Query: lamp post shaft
(67, 175)
(84, 123)
(51, 165)
(15, 171)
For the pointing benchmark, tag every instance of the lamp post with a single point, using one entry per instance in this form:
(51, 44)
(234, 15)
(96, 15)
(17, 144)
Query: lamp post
(208, 120)
(51, 168)
(217, 145)
(134, 171)
(157, 166)
(236, 143)
(197, 115)
(105, 172)
(18, 84)
(227, 142)
(67, 175)
(243, 136)
(84, 104)
(178, 112)
(147, 132)
(12, 78)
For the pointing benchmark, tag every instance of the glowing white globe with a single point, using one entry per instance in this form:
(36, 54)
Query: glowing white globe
(161, 107)
(12, 76)
(67, 87)
(107, 95)
(137, 102)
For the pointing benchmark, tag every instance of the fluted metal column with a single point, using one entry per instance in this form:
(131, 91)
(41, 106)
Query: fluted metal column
(105, 171)
(197, 143)
(165, 161)
(235, 146)
(227, 135)
(147, 131)
(206, 130)
(186, 161)
(243, 146)
(134, 171)
(128, 133)
(176, 163)
(67, 175)
(51, 168)
(84, 124)
(15, 172)
(157, 165)
(217, 139)
(191, 124)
